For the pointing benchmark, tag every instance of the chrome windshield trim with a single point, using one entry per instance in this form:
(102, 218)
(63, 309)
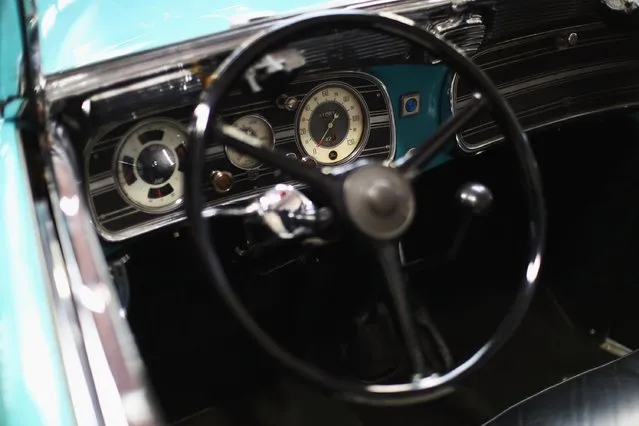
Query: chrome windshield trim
(177, 57)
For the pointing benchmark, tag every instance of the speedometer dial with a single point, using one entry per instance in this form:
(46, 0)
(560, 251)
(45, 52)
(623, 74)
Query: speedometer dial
(149, 165)
(332, 123)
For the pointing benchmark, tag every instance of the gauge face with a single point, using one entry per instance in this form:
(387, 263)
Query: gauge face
(257, 127)
(332, 124)
(149, 165)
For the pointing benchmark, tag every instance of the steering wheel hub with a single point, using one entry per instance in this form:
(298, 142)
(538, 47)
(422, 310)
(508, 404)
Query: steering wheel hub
(379, 201)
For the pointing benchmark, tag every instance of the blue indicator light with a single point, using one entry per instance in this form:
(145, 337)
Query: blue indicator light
(411, 105)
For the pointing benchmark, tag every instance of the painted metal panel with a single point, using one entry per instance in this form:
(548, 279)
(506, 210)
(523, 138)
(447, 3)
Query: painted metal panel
(33, 390)
(81, 32)
(430, 82)
(10, 49)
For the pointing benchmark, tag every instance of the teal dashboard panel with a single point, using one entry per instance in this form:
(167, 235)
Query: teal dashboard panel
(431, 83)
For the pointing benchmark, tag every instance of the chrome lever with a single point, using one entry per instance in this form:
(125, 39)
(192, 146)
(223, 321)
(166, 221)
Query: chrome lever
(283, 209)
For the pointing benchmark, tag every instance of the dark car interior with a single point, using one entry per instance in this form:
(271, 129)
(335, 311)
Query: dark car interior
(358, 219)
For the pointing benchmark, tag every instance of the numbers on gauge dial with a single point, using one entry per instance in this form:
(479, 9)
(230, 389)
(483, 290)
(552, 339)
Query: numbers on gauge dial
(331, 124)
(258, 127)
(149, 165)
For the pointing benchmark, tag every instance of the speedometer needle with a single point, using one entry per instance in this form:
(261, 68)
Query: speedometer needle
(329, 127)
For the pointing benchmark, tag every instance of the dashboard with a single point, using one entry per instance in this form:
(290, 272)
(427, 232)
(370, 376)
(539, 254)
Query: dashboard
(134, 169)
(360, 95)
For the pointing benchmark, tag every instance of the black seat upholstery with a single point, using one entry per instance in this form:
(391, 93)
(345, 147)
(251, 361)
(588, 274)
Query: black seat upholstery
(607, 395)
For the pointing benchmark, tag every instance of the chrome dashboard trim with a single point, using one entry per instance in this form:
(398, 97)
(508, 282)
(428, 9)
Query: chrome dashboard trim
(176, 58)
(179, 215)
(212, 209)
(483, 145)
(475, 149)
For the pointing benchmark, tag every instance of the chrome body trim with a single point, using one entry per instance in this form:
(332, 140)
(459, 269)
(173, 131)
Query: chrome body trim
(114, 364)
(176, 58)
(74, 356)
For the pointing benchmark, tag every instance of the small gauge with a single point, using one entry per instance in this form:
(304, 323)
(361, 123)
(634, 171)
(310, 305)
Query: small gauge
(149, 165)
(257, 127)
(332, 123)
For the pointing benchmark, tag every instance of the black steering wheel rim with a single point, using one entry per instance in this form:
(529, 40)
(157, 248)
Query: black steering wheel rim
(227, 75)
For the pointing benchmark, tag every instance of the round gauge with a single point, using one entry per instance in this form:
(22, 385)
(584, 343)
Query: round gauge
(257, 127)
(149, 165)
(332, 123)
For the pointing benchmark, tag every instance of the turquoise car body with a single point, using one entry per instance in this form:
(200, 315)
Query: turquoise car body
(78, 33)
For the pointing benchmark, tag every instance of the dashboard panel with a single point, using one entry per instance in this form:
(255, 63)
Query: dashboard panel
(570, 64)
(553, 76)
(133, 169)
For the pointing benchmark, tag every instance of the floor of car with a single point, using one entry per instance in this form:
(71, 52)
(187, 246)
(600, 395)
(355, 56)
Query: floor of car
(545, 350)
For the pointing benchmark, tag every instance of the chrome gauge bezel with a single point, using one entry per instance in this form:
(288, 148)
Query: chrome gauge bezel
(365, 112)
(114, 166)
(271, 142)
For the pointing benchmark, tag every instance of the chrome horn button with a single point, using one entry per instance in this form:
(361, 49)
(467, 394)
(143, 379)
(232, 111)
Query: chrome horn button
(379, 201)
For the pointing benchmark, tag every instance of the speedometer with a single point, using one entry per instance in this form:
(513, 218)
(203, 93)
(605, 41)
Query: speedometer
(332, 123)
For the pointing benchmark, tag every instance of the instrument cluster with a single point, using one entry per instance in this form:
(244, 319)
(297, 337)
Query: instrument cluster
(135, 169)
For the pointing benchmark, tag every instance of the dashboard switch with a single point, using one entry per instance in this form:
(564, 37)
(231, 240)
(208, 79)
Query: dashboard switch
(222, 181)
(410, 104)
(291, 103)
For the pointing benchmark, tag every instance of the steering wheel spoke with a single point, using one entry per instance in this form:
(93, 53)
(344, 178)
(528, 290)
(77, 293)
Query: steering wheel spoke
(412, 164)
(427, 352)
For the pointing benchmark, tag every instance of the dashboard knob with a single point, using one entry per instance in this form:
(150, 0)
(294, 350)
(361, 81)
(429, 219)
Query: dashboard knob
(222, 181)
(309, 161)
(475, 197)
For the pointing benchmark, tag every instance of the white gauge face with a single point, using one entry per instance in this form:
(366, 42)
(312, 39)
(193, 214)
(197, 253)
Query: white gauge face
(257, 127)
(332, 124)
(149, 165)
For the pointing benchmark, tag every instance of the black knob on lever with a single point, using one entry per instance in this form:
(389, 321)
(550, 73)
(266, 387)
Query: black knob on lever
(476, 199)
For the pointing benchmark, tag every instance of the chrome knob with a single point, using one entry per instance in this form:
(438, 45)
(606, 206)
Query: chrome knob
(475, 197)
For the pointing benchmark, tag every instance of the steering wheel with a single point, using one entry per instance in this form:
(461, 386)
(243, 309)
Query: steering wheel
(375, 201)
